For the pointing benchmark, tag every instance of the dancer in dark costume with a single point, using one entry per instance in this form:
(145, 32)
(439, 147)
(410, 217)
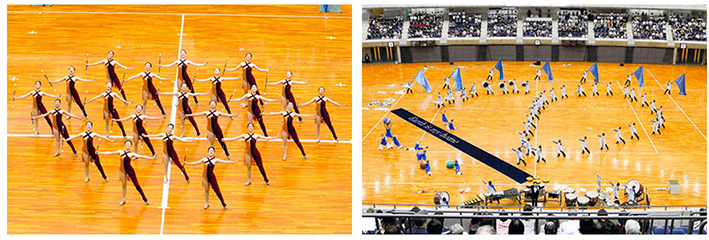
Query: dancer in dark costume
(183, 77)
(126, 171)
(208, 177)
(71, 94)
(249, 79)
(217, 92)
(287, 94)
(111, 72)
(109, 110)
(321, 114)
(168, 150)
(288, 131)
(88, 153)
(183, 106)
(149, 90)
(37, 106)
(251, 152)
(58, 128)
(139, 131)
(213, 128)
(253, 110)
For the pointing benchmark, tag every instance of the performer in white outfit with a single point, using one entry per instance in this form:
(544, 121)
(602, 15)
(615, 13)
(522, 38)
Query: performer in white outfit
(633, 132)
(539, 74)
(580, 90)
(644, 100)
(520, 157)
(595, 90)
(632, 95)
(668, 90)
(655, 127)
(473, 93)
(563, 92)
(603, 141)
(583, 145)
(559, 148)
(608, 90)
(553, 96)
(491, 74)
(526, 87)
(618, 136)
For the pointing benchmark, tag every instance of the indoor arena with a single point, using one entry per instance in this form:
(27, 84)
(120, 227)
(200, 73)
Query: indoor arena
(534, 120)
(135, 72)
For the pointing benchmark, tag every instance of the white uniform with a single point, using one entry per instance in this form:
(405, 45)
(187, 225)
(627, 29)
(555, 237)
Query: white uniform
(655, 126)
(563, 92)
(583, 144)
(520, 156)
(618, 136)
(489, 87)
(491, 73)
(580, 90)
(603, 141)
(526, 88)
(472, 90)
(514, 86)
(632, 130)
(608, 89)
(595, 89)
(559, 147)
(669, 86)
(504, 88)
(539, 73)
(644, 99)
(553, 96)
(632, 94)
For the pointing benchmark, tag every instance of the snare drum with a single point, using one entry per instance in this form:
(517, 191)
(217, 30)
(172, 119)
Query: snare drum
(583, 201)
(569, 191)
(592, 197)
(554, 194)
(570, 200)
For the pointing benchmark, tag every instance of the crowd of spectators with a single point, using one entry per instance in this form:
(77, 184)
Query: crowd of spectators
(385, 28)
(425, 24)
(688, 28)
(649, 26)
(537, 28)
(573, 23)
(463, 24)
(610, 25)
(502, 23)
(505, 224)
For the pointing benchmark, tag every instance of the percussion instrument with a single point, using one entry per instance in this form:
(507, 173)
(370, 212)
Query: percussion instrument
(512, 194)
(583, 201)
(554, 194)
(569, 191)
(592, 197)
(450, 164)
(387, 121)
(474, 201)
(570, 200)
(441, 198)
(502, 84)
(529, 179)
(524, 84)
(639, 190)
(486, 84)
(422, 165)
(511, 83)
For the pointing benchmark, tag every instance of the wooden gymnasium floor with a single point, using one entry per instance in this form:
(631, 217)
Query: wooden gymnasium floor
(48, 195)
(491, 122)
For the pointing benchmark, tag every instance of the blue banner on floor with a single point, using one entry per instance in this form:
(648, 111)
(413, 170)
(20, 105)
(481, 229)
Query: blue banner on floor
(471, 150)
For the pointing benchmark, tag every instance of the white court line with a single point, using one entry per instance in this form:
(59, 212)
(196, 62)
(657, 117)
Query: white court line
(173, 113)
(569, 153)
(639, 121)
(506, 184)
(385, 114)
(434, 118)
(680, 108)
(191, 14)
(197, 138)
(536, 91)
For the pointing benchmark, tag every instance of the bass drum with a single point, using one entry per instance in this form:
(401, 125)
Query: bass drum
(639, 189)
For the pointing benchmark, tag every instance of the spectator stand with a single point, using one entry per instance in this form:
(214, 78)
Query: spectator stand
(572, 24)
(502, 23)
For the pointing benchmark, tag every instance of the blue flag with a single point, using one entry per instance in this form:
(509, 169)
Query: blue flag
(547, 70)
(498, 66)
(458, 80)
(639, 75)
(421, 79)
(680, 85)
(594, 71)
